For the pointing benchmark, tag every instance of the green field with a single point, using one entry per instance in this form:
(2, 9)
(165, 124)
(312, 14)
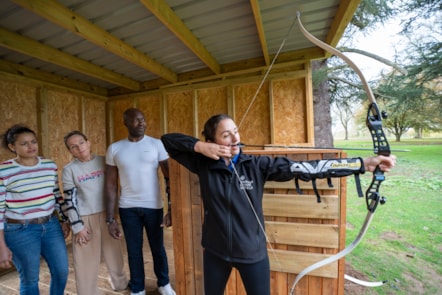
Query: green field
(404, 242)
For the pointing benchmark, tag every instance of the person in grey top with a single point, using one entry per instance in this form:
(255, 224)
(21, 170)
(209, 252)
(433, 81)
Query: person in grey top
(83, 184)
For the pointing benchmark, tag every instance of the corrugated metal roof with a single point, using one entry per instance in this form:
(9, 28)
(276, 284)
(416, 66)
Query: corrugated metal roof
(224, 32)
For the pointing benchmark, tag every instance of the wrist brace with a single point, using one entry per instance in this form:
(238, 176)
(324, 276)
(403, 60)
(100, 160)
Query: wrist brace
(57, 207)
(70, 207)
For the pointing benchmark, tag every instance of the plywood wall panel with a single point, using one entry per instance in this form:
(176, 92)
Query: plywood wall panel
(210, 102)
(117, 109)
(18, 105)
(180, 112)
(63, 117)
(95, 124)
(255, 126)
(152, 109)
(289, 108)
(57, 113)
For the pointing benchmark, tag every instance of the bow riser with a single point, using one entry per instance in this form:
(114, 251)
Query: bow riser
(374, 124)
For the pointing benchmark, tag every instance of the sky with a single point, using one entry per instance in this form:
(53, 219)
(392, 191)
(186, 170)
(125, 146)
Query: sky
(384, 40)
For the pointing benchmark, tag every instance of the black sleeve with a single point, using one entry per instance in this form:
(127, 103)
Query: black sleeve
(181, 148)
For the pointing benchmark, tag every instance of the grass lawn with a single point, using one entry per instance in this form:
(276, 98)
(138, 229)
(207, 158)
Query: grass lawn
(404, 242)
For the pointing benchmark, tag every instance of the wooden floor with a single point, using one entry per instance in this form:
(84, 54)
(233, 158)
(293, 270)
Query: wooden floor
(9, 282)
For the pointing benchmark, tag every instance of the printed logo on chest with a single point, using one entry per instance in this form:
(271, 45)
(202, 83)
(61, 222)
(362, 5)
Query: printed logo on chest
(246, 184)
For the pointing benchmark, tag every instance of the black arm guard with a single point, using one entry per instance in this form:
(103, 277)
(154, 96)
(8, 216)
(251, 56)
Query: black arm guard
(70, 208)
(331, 168)
(58, 204)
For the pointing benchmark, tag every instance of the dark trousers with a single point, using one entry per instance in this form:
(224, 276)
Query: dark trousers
(134, 220)
(255, 276)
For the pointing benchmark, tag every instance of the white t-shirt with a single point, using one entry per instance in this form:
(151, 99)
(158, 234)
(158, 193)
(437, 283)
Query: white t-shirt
(137, 164)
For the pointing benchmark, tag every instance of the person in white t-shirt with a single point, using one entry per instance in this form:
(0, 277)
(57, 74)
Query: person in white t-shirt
(83, 185)
(133, 163)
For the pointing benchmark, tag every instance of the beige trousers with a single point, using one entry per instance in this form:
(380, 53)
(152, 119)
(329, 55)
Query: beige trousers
(87, 257)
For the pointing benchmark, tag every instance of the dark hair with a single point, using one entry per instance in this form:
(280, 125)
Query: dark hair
(72, 133)
(211, 125)
(130, 113)
(13, 132)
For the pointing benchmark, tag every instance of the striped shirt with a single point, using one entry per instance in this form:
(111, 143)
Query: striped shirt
(28, 192)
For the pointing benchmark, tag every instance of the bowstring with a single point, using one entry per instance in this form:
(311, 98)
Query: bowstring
(266, 73)
(238, 127)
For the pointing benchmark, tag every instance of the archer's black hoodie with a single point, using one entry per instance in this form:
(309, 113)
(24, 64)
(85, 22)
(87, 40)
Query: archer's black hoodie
(230, 229)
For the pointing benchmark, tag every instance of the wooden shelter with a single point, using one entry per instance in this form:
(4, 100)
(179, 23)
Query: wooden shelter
(78, 64)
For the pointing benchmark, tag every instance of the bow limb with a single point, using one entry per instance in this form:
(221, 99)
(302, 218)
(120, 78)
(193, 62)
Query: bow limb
(380, 146)
(374, 117)
(336, 52)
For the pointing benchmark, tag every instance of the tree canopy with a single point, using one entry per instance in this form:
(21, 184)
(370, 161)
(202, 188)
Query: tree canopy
(411, 92)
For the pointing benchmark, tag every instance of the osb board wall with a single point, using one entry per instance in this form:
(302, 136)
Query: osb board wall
(94, 118)
(62, 117)
(290, 120)
(252, 113)
(52, 113)
(210, 101)
(18, 105)
(278, 114)
(116, 109)
(179, 111)
(153, 109)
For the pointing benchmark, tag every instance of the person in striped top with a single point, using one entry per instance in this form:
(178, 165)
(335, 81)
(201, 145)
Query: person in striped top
(30, 214)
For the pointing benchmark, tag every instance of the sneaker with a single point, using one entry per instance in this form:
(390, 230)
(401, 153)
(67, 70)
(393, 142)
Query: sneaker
(166, 290)
(139, 293)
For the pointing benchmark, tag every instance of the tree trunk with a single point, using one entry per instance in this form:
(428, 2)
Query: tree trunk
(321, 110)
(419, 132)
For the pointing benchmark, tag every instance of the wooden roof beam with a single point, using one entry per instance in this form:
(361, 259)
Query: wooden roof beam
(343, 16)
(247, 68)
(64, 17)
(260, 27)
(167, 16)
(52, 55)
(18, 71)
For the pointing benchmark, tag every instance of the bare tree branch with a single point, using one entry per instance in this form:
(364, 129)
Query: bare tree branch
(348, 82)
(375, 57)
(356, 85)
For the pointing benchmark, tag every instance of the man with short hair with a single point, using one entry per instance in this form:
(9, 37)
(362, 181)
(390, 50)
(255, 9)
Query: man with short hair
(134, 161)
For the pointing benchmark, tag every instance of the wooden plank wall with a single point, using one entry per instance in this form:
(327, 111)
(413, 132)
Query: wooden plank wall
(305, 231)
